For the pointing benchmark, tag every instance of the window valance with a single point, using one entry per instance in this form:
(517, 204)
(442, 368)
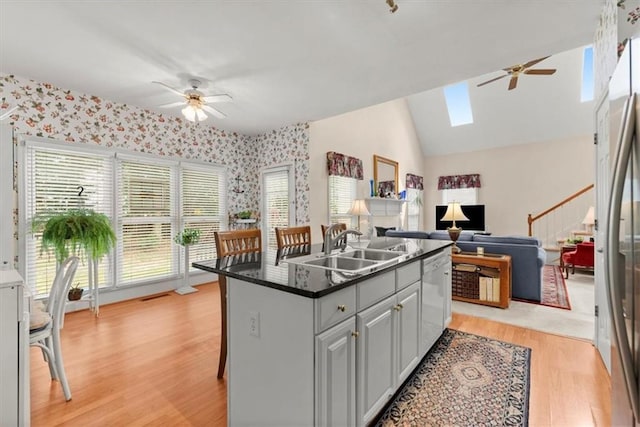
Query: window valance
(341, 165)
(459, 181)
(414, 181)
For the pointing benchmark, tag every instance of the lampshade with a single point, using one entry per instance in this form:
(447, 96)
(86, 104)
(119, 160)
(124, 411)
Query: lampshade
(454, 213)
(359, 207)
(589, 218)
(193, 114)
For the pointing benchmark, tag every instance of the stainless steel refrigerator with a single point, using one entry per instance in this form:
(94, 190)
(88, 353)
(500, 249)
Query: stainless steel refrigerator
(622, 252)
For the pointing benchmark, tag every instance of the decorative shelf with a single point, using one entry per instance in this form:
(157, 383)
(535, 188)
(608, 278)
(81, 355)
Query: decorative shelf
(245, 221)
(379, 206)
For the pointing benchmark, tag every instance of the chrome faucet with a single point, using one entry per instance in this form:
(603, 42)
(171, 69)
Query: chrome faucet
(340, 241)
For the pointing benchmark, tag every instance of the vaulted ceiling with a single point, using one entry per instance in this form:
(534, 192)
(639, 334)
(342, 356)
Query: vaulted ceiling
(285, 62)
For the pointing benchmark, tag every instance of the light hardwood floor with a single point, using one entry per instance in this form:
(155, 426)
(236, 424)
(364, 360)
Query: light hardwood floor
(154, 362)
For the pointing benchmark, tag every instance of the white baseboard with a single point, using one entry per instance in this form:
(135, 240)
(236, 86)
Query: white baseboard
(118, 294)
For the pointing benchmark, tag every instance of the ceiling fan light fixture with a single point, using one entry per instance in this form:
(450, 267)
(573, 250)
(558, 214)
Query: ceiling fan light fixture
(200, 114)
(189, 113)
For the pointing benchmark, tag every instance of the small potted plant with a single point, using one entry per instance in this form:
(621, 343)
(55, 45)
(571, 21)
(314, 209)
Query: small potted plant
(186, 238)
(75, 292)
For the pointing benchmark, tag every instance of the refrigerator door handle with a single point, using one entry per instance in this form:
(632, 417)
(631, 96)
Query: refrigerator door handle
(614, 267)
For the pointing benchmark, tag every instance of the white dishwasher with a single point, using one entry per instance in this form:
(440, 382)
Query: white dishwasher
(14, 351)
(436, 298)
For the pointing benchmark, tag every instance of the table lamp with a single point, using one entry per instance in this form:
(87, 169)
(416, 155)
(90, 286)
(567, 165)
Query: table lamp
(359, 207)
(454, 213)
(589, 219)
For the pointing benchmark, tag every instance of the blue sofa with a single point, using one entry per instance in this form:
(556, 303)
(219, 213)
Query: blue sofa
(527, 256)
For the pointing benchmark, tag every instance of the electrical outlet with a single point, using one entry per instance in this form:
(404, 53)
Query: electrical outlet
(254, 324)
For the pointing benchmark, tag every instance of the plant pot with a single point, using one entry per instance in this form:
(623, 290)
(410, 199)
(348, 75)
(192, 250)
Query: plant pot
(75, 294)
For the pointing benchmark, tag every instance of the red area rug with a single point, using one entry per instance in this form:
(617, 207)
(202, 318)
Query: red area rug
(554, 288)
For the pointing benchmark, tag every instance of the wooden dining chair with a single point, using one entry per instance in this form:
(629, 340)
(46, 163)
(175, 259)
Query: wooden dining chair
(232, 243)
(289, 237)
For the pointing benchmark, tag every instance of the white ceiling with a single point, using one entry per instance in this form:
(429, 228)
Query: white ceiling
(289, 61)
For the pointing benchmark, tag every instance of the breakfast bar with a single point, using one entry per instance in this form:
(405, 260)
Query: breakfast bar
(326, 339)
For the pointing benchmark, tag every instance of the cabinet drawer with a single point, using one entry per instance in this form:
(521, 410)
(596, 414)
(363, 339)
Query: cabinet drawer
(407, 275)
(375, 289)
(334, 308)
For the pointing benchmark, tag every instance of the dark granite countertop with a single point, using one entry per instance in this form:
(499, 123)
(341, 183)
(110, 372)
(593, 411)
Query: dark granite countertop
(271, 269)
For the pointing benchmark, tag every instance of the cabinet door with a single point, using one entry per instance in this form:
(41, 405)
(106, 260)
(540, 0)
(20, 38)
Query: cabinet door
(335, 373)
(376, 358)
(408, 314)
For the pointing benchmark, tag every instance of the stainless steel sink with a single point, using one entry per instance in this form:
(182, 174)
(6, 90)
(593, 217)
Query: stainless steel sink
(341, 263)
(371, 254)
(352, 262)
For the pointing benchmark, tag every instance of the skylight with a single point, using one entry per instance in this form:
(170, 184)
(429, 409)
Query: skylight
(458, 104)
(587, 75)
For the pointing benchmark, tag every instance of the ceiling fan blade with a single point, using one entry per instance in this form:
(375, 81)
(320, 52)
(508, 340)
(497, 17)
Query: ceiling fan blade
(534, 62)
(540, 71)
(218, 114)
(172, 104)
(174, 90)
(513, 82)
(223, 97)
(492, 80)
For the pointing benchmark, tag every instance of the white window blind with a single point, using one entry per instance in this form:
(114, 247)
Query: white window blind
(342, 193)
(146, 221)
(203, 207)
(464, 196)
(276, 185)
(54, 180)
(414, 208)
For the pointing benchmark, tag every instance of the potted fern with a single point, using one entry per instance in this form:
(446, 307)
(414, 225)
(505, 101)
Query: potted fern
(186, 238)
(79, 232)
(75, 231)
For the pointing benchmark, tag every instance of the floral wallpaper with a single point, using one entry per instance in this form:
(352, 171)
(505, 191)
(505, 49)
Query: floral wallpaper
(64, 115)
(605, 47)
(289, 144)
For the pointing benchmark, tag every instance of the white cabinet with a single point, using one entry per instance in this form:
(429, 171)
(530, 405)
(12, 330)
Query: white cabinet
(408, 313)
(388, 349)
(336, 375)
(329, 361)
(14, 351)
(376, 358)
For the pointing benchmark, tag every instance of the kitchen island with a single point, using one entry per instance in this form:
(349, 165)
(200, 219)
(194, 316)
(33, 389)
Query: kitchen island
(315, 346)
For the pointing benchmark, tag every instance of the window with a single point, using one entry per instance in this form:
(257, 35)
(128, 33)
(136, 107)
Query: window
(458, 104)
(277, 187)
(342, 193)
(146, 221)
(586, 94)
(149, 200)
(465, 196)
(414, 208)
(203, 207)
(54, 180)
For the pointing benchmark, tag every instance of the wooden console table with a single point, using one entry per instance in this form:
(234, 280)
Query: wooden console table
(469, 269)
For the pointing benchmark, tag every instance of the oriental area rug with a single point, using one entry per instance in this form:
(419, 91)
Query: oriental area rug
(465, 380)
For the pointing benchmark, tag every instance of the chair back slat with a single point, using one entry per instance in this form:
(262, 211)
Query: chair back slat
(288, 237)
(59, 290)
(238, 242)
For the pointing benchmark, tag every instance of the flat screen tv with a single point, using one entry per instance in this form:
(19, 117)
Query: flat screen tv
(475, 213)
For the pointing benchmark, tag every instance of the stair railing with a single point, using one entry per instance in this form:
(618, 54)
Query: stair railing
(533, 218)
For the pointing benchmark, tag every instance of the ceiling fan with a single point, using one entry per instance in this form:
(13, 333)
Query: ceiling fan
(516, 70)
(195, 102)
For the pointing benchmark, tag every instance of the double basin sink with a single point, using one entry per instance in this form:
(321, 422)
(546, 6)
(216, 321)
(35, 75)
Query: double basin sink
(352, 262)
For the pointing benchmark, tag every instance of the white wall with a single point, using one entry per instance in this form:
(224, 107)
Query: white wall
(386, 130)
(516, 180)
